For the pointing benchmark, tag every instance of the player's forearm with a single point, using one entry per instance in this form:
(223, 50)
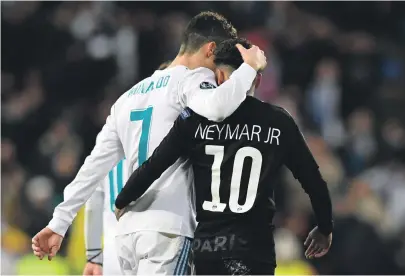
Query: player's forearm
(306, 170)
(80, 189)
(93, 227)
(302, 164)
(140, 180)
(169, 150)
(219, 103)
(137, 184)
(318, 192)
(105, 155)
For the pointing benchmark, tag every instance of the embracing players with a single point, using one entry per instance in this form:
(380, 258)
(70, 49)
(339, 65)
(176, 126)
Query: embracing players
(153, 237)
(234, 163)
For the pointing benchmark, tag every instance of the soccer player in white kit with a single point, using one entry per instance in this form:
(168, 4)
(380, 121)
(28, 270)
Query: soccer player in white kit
(154, 235)
(100, 222)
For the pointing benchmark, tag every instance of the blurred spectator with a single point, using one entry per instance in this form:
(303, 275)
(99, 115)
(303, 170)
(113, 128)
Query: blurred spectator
(29, 264)
(290, 100)
(387, 180)
(268, 89)
(361, 71)
(324, 102)
(39, 195)
(289, 252)
(361, 144)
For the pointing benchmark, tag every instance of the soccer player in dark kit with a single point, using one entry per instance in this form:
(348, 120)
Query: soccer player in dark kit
(234, 163)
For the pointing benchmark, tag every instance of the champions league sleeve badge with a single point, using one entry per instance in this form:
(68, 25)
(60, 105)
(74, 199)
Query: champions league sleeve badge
(185, 114)
(207, 85)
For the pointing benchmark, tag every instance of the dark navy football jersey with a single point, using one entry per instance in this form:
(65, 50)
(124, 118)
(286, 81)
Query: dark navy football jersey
(235, 163)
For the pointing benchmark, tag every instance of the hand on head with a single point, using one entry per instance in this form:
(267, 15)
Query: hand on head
(253, 56)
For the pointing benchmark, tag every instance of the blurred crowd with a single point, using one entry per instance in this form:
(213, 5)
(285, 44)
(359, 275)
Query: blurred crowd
(337, 67)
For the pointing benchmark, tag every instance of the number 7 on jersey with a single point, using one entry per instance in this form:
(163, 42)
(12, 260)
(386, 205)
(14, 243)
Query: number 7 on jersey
(144, 115)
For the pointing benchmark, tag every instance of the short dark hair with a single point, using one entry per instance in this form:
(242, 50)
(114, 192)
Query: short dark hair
(226, 52)
(206, 27)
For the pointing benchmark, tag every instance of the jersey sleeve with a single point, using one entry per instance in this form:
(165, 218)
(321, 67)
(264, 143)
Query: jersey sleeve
(176, 144)
(302, 164)
(104, 156)
(199, 92)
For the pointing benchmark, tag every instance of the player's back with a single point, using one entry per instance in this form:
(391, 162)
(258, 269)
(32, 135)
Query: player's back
(235, 163)
(145, 115)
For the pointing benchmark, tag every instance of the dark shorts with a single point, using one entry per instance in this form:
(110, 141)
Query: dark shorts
(232, 267)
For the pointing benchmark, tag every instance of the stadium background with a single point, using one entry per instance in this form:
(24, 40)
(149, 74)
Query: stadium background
(337, 67)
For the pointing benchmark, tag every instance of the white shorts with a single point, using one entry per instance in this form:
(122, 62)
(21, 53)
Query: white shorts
(111, 266)
(153, 253)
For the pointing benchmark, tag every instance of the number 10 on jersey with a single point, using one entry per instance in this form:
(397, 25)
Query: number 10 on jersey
(216, 205)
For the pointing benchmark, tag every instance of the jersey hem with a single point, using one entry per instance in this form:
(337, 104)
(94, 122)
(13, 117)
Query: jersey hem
(173, 232)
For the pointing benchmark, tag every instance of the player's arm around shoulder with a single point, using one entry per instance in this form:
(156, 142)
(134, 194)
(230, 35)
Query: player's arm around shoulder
(173, 146)
(200, 92)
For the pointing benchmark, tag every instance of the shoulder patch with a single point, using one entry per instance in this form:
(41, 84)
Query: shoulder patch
(207, 85)
(185, 114)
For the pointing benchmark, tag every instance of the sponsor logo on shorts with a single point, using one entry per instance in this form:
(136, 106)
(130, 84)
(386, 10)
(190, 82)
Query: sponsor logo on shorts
(216, 244)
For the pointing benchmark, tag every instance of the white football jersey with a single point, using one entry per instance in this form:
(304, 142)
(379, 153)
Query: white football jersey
(112, 185)
(138, 122)
(151, 107)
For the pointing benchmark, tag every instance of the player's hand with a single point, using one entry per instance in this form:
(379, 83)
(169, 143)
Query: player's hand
(46, 242)
(118, 213)
(318, 244)
(92, 269)
(253, 56)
